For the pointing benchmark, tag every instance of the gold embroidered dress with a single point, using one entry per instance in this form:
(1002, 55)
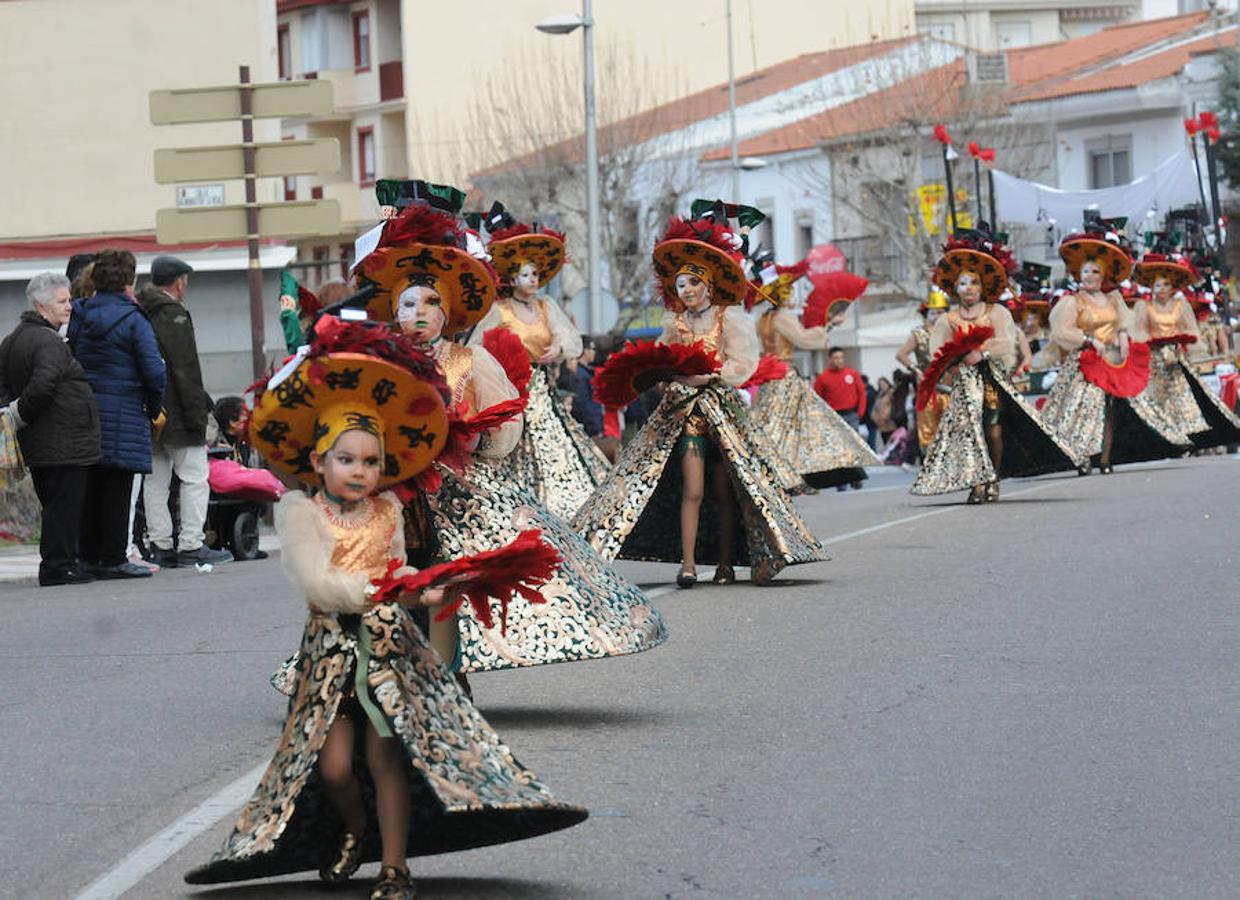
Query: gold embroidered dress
(928, 418)
(634, 514)
(824, 449)
(1076, 409)
(982, 395)
(358, 658)
(1175, 387)
(555, 458)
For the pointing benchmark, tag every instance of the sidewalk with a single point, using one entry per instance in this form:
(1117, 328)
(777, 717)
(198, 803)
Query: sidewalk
(19, 563)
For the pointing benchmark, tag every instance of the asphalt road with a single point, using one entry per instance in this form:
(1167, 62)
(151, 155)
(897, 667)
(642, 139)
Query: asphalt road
(1036, 698)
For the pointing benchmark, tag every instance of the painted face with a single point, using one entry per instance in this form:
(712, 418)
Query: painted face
(420, 313)
(525, 283)
(351, 468)
(968, 288)
(1163, 289)
(1091, 275)
(57, 310)
(932, 315)
(693, 292)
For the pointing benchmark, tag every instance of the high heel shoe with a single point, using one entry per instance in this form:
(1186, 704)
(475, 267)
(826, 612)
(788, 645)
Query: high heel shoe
(393, 884)
(977, 495)
(1082, 469)
(1105, 470)
(724, 575)
(686, 578)
(346, 861)
(992, 491)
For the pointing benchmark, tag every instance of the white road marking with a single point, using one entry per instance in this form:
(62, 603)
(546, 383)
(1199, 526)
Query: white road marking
(156, 851)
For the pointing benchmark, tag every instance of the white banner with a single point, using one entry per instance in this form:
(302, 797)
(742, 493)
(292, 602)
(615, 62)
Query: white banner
(1171, 185)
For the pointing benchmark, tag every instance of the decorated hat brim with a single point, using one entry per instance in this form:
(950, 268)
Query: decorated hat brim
(545, 251)
(989, 270)
(465, 284)
(1145, 273)
(285, 423)
(1116, 264)
(728, 283)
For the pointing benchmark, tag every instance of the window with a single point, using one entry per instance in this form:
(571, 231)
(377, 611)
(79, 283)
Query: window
(1013, 34)
(1110, 161)
(346, 260)
(804, 233)
(944, 31)
(366, 155)
(361, 41)
(284, 50)
(316, 192)
(290, 187)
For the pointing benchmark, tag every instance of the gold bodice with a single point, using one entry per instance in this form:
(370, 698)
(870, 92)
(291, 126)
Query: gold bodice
(712, 338)
(921, 350)
(1164, 323)
(1101, 322)
(457, 364)
(960, 323)
(536, 336)
(773, 342)
(363, 540)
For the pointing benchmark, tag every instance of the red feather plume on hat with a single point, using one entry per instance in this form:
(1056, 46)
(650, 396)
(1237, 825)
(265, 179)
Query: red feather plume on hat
(520, 228)
(421, 223)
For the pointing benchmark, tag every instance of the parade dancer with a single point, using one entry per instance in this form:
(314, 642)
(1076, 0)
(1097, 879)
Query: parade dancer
(695, 461)
(1168, 323)
(824, 449)
(382, 757)
(1097, 405)
(555, 457)
(914, 354)
(988, 431)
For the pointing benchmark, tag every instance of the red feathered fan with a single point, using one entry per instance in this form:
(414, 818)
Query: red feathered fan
(510, 353)
(1127, 379)
(1182, 339)
(422, 224)
(519, 568)
(828, 289)
(770, 368)
(643, 364)
(960, 346)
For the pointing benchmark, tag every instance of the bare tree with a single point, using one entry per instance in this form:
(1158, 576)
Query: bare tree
(532, 119)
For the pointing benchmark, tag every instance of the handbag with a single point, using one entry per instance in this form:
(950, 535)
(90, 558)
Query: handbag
(12, 466)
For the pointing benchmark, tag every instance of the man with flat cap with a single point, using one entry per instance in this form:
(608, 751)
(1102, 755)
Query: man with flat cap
(182, 445)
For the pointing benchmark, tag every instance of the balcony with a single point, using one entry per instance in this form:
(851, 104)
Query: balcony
(872, 258)
(391, 80)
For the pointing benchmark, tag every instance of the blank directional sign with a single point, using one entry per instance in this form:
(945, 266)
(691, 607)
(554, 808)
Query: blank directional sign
(320, 156)
(312, 218)
(276, 100)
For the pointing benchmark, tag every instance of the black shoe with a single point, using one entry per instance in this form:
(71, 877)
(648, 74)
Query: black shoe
(1105, 470)
(50, 577)
(346, 859)
(724, 575)
(393, 884)
(856, 485)
(124, 570)
(1082, 469)
(686, 578)
(204, 554)
(165, 559)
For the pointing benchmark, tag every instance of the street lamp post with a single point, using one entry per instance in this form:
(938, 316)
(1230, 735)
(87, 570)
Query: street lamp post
(567, 24)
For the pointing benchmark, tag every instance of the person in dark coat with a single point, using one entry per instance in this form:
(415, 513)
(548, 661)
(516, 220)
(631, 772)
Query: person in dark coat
(114, 342)
(51, 403)
(181, 447)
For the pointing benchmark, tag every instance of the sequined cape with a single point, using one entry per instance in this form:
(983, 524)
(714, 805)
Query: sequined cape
(958, 458)
(466, 788)
(635, 514)
(1076, 411)
(1178, 391)
(824, 449)
(591, 610)
(555, 458)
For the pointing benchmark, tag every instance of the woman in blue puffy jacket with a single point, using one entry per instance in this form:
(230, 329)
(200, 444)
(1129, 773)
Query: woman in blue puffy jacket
(114, 343)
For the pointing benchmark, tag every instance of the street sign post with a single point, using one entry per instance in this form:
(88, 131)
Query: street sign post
(250, 161)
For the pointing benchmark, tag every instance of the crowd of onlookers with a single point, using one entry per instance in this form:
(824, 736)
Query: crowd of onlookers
(103, 385)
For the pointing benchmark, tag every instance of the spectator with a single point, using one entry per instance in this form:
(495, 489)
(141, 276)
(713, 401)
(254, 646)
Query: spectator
(181, 447)
(883, 411)
(586, 409)
(54, 410)
(116, 347)
(844, 391)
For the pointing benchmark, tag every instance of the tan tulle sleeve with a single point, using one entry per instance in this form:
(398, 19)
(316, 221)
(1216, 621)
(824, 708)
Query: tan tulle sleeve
(1063, 324)
(1002, 346)
(489, 321)
(1140, 321)
(306, 548)
(741, 347)
(563, 332)
(1126, 318)
(491, 386)
(790, 328)
(1187, 323)
(670, 334)
(940, 334)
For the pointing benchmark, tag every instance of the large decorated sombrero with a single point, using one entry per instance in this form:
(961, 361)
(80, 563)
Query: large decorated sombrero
(424, 246)
(705, 248)
(1175, 268)
(977, 251)
(512, 244)
(321, 393)
(1103, 242)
